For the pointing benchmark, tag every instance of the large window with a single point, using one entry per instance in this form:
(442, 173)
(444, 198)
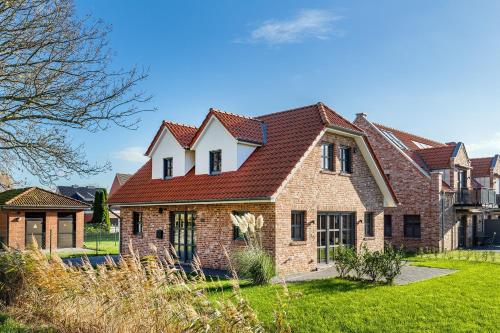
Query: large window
(387, 225)
(461, 179)
(345, 159)
(298, 225)
(137, 223)
(369, 225)
(167, 167)
(412, 226)
(327, 156)
(215, 161)
(237, 234)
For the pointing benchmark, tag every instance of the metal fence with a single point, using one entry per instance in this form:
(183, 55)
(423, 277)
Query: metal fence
(101, 241)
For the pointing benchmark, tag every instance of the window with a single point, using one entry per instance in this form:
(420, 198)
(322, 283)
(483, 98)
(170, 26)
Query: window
(461, 179)
(215, 162)
(412, 226)
(298, 219)
(346, 159)
(167, 167)
(137, 223)
(327, 156)
(369, 225)
(387, 225)
(237, 234)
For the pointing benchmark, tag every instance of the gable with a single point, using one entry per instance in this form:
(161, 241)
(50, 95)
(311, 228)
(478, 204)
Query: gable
(460, 156)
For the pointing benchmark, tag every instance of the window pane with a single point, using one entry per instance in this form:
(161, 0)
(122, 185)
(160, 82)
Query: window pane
(297, 226)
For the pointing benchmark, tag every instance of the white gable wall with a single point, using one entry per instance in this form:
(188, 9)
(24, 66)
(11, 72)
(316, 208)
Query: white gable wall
(244, 151)
(167, 146)
(216, 137)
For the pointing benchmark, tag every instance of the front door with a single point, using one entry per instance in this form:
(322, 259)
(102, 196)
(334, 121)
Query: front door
(183, 235)
(66, 231)
(334, 229)
(35, 230)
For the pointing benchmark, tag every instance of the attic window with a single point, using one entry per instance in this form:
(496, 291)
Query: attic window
(394, 140)
(167, 168)
(421, 145)
(215, 162)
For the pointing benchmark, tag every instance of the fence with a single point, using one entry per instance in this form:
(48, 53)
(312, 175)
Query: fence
(99, 240)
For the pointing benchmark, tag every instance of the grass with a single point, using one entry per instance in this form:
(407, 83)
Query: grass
(465, 301)
(8, 325)
(104, 247)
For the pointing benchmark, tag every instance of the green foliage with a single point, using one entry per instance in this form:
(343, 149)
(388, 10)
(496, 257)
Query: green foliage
(391, 263)
(373, 264)
(345, 260)
(255, 264)
(100, 210)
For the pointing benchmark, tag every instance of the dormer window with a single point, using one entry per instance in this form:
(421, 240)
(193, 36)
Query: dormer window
(168, 167)
(215, 162)
(327, 156)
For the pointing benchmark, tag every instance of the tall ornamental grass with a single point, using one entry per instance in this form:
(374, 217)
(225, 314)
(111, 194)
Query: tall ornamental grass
(133, 295)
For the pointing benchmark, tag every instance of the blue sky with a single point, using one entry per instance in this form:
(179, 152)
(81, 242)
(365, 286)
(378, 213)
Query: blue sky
(430, 67)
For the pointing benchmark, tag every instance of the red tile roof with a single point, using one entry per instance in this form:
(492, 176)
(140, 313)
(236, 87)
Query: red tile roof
(409, 139)
(289, 135)
(182, 133)
(481, 167)
(434, 158)
(34, 197)
(241, 128)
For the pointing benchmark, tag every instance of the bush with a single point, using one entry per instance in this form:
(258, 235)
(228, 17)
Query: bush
(373, 264)
(14, 268)
(345, 260)
(391, 263)
(254, 264)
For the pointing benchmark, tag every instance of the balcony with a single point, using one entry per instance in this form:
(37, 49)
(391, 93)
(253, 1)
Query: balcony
(477, 197)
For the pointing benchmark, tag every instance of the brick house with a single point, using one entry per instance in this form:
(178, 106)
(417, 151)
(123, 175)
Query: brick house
(486, 175)
(54, 220)
(440, 208)
(309, 172)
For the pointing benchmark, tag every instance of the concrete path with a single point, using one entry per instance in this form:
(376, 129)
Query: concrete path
(409, 274)
(494, 248)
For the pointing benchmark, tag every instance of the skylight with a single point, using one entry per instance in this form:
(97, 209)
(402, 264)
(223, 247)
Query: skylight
(421, 145)
(395, 140)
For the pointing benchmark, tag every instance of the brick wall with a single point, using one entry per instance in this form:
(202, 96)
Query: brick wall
(313, 190)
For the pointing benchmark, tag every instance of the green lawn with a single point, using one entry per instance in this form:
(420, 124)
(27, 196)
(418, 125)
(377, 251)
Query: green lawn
(104, 247)
(466, 301)
(7, 325)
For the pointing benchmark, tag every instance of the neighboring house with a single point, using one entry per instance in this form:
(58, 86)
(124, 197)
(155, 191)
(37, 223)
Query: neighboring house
(118, 181)
(439, 208)
(486, 175)
(54, 220)
(82, 193)
(309, 172)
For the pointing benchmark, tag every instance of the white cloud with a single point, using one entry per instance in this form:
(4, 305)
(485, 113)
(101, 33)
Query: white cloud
(309, 23)
(131, 154)
(487, 147)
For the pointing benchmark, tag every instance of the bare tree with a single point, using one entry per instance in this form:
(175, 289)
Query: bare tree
(55, 75)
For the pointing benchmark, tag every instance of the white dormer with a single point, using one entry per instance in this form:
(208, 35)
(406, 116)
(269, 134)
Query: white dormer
(217, 141)
(169, 158)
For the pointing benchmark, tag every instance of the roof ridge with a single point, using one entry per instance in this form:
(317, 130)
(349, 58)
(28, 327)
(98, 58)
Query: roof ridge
(440, 147)
(179, 124)
(288, 110)
(62, 195)
(408, 133)
(25, 190)
(234, 114)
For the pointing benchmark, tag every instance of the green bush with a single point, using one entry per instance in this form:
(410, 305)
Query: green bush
(391, 263)
(254, 264)
(345, 260)
(373, 262)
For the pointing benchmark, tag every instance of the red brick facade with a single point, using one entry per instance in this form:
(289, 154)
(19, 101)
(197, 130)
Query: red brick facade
(308, 189)
(421, 193)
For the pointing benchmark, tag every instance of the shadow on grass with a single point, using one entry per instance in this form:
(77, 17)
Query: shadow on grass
(334, 285)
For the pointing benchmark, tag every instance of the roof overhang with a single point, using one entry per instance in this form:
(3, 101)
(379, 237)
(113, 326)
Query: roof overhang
(390, 199)
(43, 207)
(195, 202)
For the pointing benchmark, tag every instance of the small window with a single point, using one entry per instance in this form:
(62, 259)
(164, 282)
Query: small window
(327, 156)
(237, 234)
(412, 226)
(387, 225)
(167, 167)
(298, 225)
(346, 159)
(137, 223)
(215, 162)
(369, 225)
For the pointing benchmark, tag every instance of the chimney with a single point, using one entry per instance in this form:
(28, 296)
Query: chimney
(361, 115)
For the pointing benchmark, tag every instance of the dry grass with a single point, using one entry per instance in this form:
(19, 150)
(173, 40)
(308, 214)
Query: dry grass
(135, 295)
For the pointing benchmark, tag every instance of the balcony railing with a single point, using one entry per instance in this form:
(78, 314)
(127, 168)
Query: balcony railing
(477, 197)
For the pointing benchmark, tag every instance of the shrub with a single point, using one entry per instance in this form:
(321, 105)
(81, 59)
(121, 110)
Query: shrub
(14, 267)
(254, 264)
(373, 264)
(345, 260)
(391, 263)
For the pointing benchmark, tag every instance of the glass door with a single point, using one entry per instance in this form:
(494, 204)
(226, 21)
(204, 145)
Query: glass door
(35, 231)
(183, 235)
(334, 230)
